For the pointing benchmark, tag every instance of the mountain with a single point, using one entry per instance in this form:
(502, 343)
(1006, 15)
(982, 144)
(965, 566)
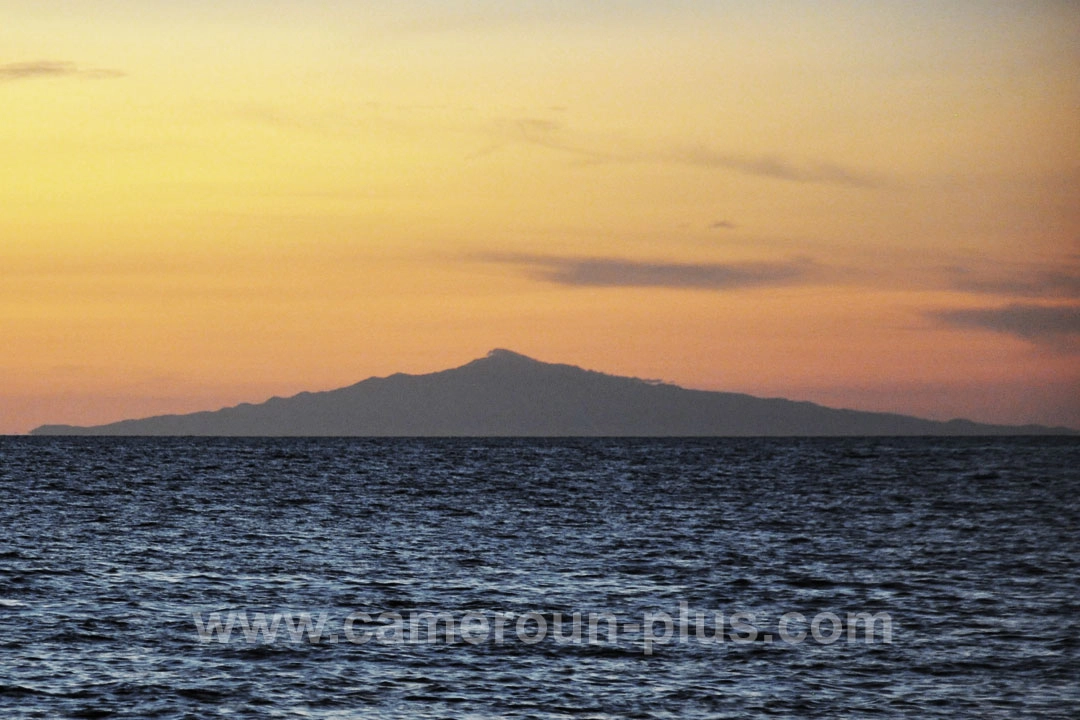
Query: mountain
(507, 394)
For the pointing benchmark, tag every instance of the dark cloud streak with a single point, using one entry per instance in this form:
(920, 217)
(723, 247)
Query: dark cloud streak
(1042, 283)
(617, 272)
(40, 69)
(1037, 323)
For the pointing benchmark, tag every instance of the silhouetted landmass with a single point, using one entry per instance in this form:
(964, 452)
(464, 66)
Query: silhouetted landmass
(507, 394)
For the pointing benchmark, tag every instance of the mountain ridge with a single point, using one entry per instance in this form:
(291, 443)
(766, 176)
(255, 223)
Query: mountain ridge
(506, 393)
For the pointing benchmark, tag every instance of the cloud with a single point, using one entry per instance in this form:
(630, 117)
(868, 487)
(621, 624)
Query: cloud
(52, 69)
(101, 74)
(1041, 283)
(775, 167)
(1038, 323)
(617, 272)
(541, 133)
(723, 225)
(38, 69)
(557, 136)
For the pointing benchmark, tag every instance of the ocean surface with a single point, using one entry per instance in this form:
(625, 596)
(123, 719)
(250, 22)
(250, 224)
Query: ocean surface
(846, 577)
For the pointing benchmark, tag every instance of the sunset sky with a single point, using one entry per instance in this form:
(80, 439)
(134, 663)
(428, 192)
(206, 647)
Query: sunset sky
(872, 205)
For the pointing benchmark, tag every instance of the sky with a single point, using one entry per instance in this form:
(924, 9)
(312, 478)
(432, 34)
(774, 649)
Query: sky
(873, 205)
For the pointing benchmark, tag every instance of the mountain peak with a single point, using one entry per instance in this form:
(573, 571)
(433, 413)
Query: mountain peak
(502, 354)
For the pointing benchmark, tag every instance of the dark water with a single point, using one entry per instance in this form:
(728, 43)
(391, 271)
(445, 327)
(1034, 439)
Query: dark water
(111, 548)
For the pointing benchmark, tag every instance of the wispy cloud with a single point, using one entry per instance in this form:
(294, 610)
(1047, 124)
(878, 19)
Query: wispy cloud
(779, 168)
(542, 133)
(618, 272)
(558, 136)
(39, 69)
(722, 225)
(1055, 324)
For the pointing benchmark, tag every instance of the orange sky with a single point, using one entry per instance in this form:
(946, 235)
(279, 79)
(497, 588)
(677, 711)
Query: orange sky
(868, 205)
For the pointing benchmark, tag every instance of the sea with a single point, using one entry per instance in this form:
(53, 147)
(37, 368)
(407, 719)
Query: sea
(539, 578)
